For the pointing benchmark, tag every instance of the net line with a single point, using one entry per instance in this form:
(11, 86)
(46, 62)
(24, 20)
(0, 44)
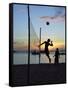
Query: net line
(34, 39)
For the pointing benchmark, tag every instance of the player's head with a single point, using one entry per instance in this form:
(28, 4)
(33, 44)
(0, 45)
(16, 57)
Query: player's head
(48, 40)
(57, 49)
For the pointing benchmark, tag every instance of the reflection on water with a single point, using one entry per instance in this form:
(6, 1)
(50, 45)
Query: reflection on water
(22, 58)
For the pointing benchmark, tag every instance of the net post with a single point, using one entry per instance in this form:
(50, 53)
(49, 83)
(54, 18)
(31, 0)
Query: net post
(39, 44)
(28, 77)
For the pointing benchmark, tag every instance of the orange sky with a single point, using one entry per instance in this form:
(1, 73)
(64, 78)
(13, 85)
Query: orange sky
(59, 45)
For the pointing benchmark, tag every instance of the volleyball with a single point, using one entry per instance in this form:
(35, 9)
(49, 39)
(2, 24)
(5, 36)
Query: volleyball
(47, 23)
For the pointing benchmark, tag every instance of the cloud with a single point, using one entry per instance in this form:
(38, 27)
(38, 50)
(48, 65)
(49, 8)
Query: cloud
(55, 18)
(59, 15)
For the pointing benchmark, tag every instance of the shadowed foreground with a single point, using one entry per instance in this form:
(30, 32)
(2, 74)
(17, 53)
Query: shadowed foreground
(39, 74)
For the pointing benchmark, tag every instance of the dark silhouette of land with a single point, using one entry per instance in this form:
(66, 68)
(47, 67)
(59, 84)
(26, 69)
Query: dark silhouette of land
(42, 52)
(34, 52)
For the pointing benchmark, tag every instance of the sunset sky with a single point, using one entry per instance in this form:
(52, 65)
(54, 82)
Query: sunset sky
(39, 15)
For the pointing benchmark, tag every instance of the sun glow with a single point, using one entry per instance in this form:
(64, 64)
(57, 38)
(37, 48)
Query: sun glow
(59, 45)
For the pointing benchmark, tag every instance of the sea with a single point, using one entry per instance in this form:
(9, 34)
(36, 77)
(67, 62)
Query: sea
(22, 58)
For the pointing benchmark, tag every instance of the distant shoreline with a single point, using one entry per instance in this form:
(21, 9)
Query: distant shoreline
(36, 53)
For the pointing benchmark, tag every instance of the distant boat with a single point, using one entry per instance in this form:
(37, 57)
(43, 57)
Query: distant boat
(62, 53)
(35, 52)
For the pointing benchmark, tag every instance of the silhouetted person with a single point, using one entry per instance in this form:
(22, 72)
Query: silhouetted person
(57, 56)
(47, 43)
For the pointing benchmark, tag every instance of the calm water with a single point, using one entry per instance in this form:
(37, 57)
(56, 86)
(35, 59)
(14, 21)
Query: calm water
(22, 58)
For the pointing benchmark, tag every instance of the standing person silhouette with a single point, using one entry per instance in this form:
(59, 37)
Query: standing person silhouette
(57, 54)
(47, 44)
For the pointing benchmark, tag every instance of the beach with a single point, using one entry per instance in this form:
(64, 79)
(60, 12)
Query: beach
(38, 74)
